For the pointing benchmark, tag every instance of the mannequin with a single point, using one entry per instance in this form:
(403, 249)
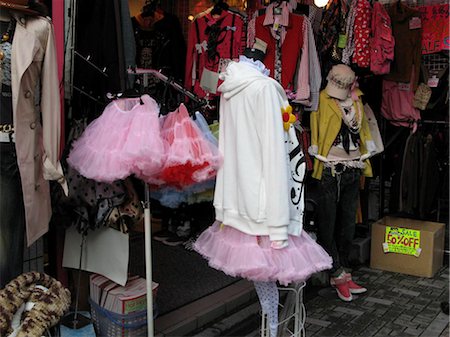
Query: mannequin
(30, 132)
(341, 143)
(258, 196)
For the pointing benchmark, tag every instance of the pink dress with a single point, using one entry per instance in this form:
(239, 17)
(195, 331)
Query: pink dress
(124, 140)
(242, 255)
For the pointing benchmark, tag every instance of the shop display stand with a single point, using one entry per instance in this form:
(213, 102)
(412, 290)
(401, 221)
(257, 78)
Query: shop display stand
(147, 215)
(292, 313)
(74, 320)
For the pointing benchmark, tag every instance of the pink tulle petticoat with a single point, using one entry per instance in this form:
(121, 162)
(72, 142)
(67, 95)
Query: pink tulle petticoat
(242, 255)
(124, 140)
(190, 157)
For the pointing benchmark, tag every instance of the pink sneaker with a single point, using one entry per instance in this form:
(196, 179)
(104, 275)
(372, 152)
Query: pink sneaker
(352, 286)
(340, 284)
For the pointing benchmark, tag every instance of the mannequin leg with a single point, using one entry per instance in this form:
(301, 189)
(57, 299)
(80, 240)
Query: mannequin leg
(348, 204)
(12, 220)
(326, 218)
(269, 297)
(347, 211)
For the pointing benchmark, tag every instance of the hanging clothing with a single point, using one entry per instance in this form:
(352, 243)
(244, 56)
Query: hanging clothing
(407, 30)
(161, 46)
(397, 104)
(191, 158)
(305, 90)
(290, 29)
(36, 118)
(258, 233)
(381, 42)
(361, 55)
(212, 43)
(124, 140)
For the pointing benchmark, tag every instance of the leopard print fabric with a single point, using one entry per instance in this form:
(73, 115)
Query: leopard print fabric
(49, 306)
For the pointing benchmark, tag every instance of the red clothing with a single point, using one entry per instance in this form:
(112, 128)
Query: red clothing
(201, 45)
(362, 27)
(290, 48)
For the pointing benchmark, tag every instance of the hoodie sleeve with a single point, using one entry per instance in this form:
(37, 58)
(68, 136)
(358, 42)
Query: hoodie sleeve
(275, 170)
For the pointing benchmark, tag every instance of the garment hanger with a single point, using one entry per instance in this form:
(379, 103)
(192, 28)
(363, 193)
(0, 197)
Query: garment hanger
(128, 93)
(149, 8)
(219, 6)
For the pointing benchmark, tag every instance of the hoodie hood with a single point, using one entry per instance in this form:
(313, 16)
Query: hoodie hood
(238, 76)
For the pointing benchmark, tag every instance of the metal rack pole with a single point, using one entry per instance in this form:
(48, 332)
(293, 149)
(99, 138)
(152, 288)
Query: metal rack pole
(148, 261)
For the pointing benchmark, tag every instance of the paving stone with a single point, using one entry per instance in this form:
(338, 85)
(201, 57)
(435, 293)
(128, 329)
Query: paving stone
(405, 323)
(328, 333)
(319, 322)
(445, 333)
(406, 292)
(371, 271)
(371, 330)
(379, 300)
(335, 313)
(413, 332)
(436, 326)
(346, 310)
(396, 333)
(364, 320)
(379, 312)
(383, 332)
(406, 316)
(430, 284)
(312, 328)
(441, 284)
(420, 301)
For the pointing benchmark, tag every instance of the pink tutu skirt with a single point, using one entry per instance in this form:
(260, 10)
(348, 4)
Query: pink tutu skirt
(242, 255)
(124, 140)
(144, 150)
(191, 157)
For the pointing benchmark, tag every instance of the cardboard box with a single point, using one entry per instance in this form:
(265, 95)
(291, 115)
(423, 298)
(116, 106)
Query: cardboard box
(407, 246)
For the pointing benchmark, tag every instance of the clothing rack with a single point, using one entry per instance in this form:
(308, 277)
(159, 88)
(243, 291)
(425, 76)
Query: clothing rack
(147, 215)
(87, 59)
(167, 80)
(391, 141)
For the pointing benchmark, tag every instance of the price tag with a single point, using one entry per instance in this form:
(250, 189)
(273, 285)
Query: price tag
(342, 41)
(404, 86)
(209, 81)
(433, 82)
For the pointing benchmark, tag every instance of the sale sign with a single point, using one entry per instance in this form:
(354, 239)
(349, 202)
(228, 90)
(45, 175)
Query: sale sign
(402, 241)
(435, 28)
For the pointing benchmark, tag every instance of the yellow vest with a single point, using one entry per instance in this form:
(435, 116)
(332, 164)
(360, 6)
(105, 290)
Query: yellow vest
(325, 126)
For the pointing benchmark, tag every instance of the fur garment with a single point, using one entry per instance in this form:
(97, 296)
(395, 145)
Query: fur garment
(49, 305)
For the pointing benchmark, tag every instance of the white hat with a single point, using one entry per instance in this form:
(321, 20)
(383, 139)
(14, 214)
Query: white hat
(340, 80)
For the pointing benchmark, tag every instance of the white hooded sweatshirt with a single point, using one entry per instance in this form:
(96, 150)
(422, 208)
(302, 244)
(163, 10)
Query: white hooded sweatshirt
(253, 186)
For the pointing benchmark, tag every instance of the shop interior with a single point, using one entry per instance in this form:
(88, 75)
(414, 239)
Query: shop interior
(151, 50)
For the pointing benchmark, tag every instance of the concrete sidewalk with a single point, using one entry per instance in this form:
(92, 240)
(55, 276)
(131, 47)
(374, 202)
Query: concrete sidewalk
(395, 305)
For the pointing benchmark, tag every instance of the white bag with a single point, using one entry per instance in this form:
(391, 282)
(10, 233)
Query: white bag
(374, 130)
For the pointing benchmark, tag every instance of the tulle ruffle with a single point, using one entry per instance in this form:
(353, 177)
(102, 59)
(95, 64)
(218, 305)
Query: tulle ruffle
(190, 157)
(124, 140)
(241, 255)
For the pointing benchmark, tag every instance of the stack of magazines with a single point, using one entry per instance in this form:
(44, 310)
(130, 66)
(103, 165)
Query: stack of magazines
(120, 299)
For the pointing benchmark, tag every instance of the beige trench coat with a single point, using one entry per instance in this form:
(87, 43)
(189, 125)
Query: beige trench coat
(36, 118)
